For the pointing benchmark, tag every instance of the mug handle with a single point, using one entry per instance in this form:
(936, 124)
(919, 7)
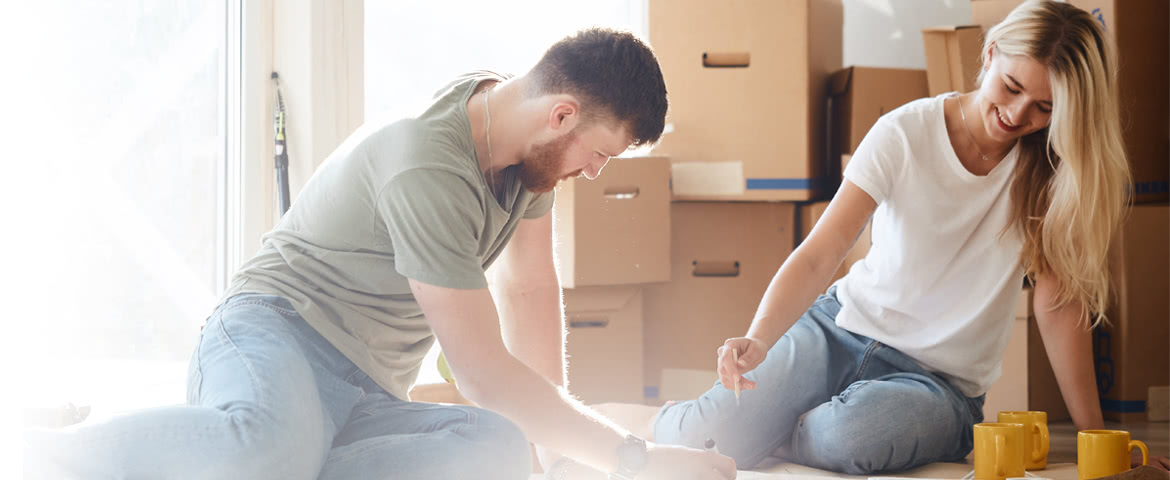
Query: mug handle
(1040, 452)
(1145, 452)
(1001, 454)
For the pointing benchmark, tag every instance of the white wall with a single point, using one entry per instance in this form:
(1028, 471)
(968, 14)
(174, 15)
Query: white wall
(888, 33)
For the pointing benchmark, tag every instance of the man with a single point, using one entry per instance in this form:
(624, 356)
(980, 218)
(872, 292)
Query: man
(304, 369)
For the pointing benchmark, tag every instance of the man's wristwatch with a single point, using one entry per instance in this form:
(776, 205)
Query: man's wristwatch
(631, 458)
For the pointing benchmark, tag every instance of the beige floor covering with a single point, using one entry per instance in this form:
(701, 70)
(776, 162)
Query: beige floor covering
(1062, 458)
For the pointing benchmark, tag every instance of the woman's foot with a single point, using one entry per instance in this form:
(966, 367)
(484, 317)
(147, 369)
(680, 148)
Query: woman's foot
(637, 418)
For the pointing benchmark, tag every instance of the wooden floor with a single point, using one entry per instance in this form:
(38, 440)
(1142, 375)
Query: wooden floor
(1063, 438)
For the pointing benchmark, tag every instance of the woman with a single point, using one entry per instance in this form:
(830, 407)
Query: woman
(969, 194)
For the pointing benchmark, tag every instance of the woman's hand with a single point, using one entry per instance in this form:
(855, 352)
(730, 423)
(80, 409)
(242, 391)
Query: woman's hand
(738, 356)
(1161, 463)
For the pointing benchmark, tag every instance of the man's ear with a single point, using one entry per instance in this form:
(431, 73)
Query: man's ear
(565, 114)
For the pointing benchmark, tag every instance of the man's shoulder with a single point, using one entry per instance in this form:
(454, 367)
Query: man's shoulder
(408, 144)
(474, 76)
(433, 175)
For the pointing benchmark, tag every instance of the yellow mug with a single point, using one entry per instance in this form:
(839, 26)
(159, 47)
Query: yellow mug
(999, 451)
(1035, 436)
(1101, 453)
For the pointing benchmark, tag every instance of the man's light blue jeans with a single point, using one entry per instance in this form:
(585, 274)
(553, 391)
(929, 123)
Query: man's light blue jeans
(836, 401)
(269, 398)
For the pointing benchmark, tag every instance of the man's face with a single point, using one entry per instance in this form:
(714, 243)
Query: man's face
(583, 150)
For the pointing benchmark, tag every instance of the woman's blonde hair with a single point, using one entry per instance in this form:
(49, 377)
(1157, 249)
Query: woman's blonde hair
(1069, 188)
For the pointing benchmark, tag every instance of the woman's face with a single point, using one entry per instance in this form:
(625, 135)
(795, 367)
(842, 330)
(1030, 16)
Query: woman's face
(1015, 98)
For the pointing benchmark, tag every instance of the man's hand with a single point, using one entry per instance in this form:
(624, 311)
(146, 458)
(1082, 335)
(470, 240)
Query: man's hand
(667, 462)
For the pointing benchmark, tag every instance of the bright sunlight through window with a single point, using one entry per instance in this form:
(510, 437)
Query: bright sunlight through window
(122, 265)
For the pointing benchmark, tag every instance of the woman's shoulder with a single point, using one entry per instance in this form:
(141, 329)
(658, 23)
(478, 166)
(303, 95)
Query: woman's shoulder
(917, 113)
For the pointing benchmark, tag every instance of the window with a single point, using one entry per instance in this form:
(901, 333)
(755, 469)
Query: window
(124, 255)
(412, 49)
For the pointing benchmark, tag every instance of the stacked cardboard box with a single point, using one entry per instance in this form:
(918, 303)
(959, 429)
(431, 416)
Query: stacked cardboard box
(1010, 391)
(747, 90)
(952, 57)
(613, 237)
(747, 83)
(987, 13)
(858, 96)
(761, 111)
(1130, 351)
(1143, 84)
(615, 229)
(604, 343)
(723, 255)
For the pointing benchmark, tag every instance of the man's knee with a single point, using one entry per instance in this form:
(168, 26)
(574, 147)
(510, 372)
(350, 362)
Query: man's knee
(498, 446)
(267, 446)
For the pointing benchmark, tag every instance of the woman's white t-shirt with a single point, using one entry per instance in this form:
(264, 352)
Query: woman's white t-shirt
(942, 278)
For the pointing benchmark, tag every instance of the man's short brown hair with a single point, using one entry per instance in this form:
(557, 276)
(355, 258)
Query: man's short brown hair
(614, 75)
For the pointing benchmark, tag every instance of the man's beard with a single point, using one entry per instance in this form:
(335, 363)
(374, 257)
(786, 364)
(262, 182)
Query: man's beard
(540, 170)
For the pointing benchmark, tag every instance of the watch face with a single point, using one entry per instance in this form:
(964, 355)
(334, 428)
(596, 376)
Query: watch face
(632, 454)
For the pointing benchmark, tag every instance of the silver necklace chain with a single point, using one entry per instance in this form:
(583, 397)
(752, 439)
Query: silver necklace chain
(488, 132)
(965, 127)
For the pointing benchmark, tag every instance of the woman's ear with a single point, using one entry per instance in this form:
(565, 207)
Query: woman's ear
(987, 57)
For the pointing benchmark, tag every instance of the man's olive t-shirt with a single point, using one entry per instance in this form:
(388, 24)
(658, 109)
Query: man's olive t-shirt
(395, 201)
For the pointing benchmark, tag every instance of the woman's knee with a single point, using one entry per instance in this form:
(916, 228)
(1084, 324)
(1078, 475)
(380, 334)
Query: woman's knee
(875, 427)
(691, 424)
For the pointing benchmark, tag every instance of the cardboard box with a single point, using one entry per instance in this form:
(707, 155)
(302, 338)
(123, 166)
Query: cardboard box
(1010, 391)
(952, 58)
(1024, 308)
(604, 343)
(747, 86)
(679, 384)
(1159, 404)
(615, 229)
(723, 256)
(858, 96)
(810, 214)
(1142, 76)
(987, 13)
(1130, 351)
